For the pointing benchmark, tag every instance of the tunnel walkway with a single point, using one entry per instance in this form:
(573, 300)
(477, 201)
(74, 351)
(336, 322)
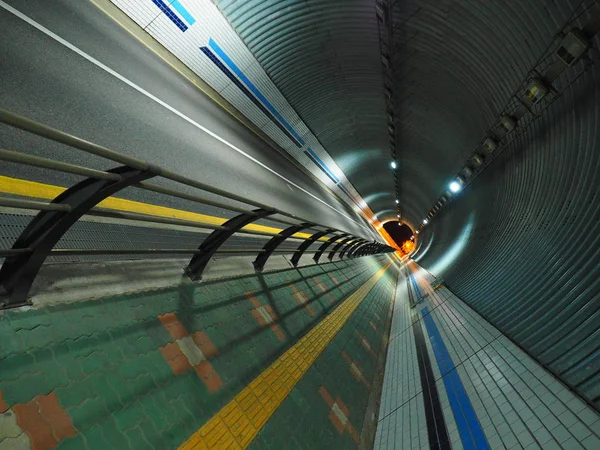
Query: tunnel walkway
(286, 359)
(452, 380)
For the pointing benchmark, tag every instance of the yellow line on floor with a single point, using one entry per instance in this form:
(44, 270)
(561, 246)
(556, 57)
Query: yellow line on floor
(25, 188)
(240, 421)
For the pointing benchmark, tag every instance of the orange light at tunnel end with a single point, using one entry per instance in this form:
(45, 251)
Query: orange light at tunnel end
(408, 246)
(384, 234)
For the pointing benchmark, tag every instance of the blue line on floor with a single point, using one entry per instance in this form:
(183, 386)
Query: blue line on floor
(469, 428)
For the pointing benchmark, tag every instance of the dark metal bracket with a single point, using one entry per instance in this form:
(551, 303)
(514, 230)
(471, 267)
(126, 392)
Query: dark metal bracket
(361, 250)
(338, 246)
(350, 247)
(307, 243)
(213, 242)
(326, 244)
(48, 227)
(276, 241)
(368, 249)
(353, 252)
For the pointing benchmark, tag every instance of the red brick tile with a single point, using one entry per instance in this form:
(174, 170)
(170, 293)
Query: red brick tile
(365, 343)
(259, 318)
(337, 423)
(300, 298)
(319, 284)
(32, 423)
(326, 396)
(343, 407)
(173, 326)
(352, 432)
(209, 376)
(205, 344)
(56, 416)
(3, 405)
(175, 358)
(270, 312)
(346, 357)
(356, 376)
(278, 332)
(252, 298)
(303, 300)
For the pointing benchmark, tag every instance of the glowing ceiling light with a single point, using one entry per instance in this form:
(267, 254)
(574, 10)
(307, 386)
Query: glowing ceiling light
(417, 231)
(425, 221)
(397, 201)
(455, 186)
(393, 164)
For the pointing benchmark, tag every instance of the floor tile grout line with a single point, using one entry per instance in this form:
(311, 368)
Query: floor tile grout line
(511, 404)
(553, 394)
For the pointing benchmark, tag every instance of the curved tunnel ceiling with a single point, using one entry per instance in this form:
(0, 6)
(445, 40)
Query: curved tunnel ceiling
(521, 243)
(325, 58)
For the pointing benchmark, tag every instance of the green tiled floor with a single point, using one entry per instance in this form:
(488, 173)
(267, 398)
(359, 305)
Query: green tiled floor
(102, 360)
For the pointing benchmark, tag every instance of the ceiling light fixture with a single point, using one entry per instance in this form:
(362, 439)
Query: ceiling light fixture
(425, 221)
(455, 186)
(393, 164)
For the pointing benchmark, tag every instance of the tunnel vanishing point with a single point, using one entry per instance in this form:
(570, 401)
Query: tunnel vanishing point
(299, 224)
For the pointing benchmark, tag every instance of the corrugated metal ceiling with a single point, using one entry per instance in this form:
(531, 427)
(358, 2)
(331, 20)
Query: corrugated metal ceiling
(521, 243)
(324, 56)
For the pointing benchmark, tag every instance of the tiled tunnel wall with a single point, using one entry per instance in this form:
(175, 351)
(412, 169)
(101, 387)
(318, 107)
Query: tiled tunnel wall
(198, 34)
(452, 380)
(147, 370)
(521, 243)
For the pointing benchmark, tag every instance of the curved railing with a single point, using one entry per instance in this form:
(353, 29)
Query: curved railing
(39, 239)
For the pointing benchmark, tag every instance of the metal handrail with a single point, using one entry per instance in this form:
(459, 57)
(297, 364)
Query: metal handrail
(32, 204)
(42, 234)
(25, 124)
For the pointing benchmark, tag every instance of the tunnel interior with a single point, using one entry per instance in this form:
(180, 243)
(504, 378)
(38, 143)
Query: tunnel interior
(401, 233)
(192, 214)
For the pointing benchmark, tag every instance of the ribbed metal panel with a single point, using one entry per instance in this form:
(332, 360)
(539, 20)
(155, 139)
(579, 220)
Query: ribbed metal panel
(521, 244)
(456, 66)
(325, 58)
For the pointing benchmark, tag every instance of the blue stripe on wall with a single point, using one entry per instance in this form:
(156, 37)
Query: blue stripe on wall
(311, 157)
(170, 14)
(469, 428)
(183, 12)
(219, 51)
(345, 191)
(415, 286)
(319, 162)
(217, 62)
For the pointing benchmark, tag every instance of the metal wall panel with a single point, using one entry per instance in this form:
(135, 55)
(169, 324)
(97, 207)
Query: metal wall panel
(521, 244)
(185, 44)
